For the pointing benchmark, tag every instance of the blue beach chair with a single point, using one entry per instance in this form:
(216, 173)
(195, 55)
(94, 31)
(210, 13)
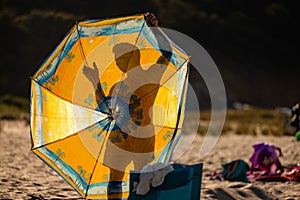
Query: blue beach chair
(183, 183)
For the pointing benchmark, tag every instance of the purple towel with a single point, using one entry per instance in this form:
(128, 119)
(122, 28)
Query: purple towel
(265, 158)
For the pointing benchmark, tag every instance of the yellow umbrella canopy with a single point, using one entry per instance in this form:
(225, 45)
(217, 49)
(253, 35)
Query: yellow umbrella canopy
(109, 99)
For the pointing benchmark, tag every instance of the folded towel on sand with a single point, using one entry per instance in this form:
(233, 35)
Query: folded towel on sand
(154, 175)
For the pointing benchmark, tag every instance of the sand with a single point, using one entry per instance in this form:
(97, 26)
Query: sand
(231, 147)
(24, 176)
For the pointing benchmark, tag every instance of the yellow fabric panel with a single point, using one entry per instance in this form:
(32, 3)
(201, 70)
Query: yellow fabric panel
(134, 148)
(102, 64)
(58, 118)
(57, 169)
(93, 139)
(66, 74)
(163, 136)
(34, 121)
(75, 153)
(165, 108)
(70, 71)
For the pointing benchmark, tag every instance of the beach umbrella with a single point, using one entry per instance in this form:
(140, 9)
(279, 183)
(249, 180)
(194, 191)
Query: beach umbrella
(109, 99)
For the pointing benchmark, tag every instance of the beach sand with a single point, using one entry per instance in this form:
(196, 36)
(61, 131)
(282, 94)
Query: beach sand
(231, 147)
(24, 176)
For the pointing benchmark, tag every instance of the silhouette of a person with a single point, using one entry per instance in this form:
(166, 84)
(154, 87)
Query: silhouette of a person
(129, 105)
(295, 118)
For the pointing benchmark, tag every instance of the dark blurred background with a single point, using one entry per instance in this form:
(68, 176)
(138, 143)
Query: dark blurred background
(254, 43)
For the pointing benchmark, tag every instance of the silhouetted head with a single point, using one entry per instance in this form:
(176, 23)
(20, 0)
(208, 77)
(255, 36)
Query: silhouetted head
(127, 56)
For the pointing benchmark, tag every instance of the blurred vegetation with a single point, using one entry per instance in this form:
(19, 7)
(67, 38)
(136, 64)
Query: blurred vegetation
(254, 121)
(13, 107)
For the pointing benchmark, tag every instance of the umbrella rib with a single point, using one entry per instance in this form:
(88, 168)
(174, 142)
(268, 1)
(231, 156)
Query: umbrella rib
(179, 111)
(88, 185)
(68, 135)
(83, 54)
(137, 38)
(98, 87)
(164, 81)
(156, 125)
(89, 109)
(162, 126)
(122, 77)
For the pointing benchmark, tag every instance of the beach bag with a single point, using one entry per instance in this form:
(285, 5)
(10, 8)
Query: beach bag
(265, 158)
(183, 183)
(235, 170)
